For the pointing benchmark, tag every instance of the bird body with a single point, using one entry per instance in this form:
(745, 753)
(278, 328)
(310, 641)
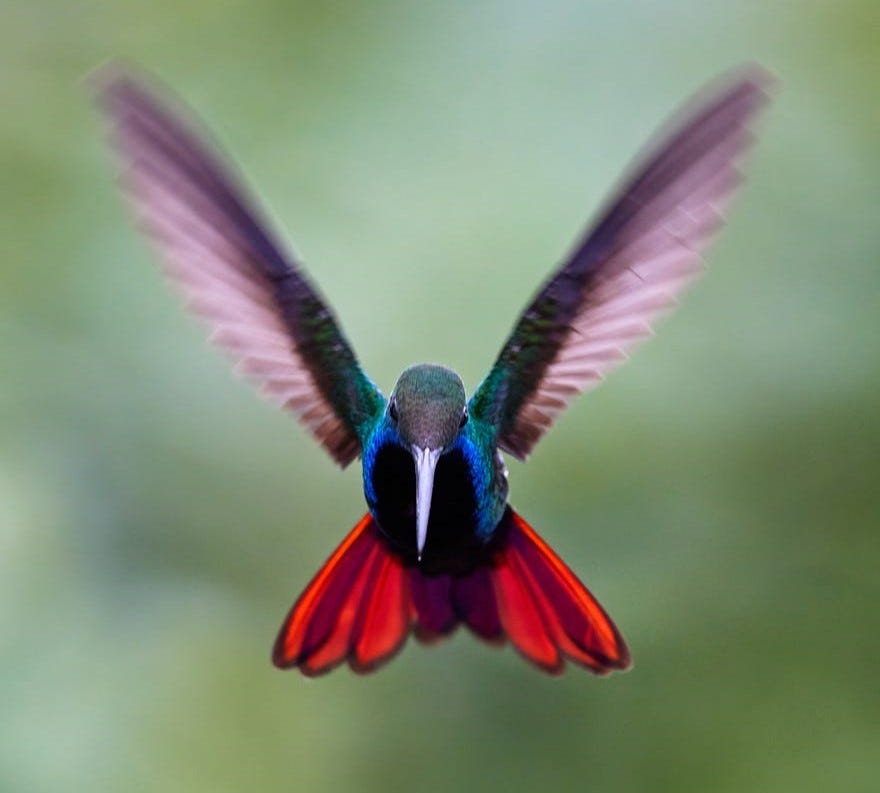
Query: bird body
(440, 545)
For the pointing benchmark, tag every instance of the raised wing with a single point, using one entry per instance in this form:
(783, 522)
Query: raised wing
(234, 275)
(643, 251)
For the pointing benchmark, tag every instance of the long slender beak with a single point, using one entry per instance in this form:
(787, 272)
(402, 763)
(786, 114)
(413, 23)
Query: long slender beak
(426, 463)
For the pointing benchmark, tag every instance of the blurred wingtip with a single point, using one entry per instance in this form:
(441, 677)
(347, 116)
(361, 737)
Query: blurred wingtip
(119, 85)
(756, 74)
(112, 78)
(750, 76)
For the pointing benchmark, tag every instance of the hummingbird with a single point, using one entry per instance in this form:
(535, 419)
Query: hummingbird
(440, 545)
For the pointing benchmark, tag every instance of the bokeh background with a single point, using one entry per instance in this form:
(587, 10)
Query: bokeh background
(430, 162)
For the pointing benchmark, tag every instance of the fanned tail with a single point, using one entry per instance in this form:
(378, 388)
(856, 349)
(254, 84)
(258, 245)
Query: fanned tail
(356, 608)
(364, 601)
(547, 612)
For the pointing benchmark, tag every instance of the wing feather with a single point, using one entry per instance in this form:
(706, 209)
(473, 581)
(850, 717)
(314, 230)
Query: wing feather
(628, 271)
(259, 305)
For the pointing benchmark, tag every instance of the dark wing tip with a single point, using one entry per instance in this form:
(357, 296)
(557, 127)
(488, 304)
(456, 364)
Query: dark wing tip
(754, 74)
(118, 77)
(122, 90)
(749, 83)
(734, 98)
(117, 83)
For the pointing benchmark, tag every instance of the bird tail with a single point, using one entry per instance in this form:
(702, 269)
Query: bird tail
(365, 600)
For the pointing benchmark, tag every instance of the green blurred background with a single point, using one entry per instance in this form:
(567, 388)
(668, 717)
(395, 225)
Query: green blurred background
(430, 162)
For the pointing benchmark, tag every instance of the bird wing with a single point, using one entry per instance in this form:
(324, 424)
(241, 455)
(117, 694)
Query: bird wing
(629, 268)
(234, 275)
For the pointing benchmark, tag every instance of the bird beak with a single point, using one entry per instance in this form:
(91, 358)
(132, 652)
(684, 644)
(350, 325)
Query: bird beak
(426, 463)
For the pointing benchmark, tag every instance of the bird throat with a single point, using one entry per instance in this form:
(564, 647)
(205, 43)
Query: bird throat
(452, 543)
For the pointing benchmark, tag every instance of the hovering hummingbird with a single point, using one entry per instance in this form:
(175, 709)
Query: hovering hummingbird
(440, 544)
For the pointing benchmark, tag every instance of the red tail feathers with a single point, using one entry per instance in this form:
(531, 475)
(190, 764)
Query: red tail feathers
(364, 600)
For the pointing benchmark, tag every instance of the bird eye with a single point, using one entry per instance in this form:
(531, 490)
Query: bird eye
(464, 419)
(392, 410)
